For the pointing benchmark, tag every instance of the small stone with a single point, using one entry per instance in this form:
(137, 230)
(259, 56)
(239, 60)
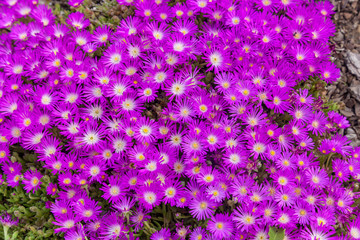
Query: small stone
(352, 136)
(347, 112)
(347, 15)
(356, 92)
(353, 63)
(339, 37)
(350, 102)
(357, 109)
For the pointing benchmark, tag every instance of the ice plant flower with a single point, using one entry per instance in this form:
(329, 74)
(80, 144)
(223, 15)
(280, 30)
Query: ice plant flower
(197, 109)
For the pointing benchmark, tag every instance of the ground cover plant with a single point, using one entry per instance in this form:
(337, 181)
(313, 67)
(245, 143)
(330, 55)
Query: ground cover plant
(173, 120)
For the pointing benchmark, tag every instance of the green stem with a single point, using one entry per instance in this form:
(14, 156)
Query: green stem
(164, 213)
(328, 160)
(6, 236)
(87, 190)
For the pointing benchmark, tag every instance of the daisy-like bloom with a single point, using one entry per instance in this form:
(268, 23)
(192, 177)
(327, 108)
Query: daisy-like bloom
(149, 196)
(316, 177)
(201, 207)
(300, 113)
(344, 201)
(257, 146)
(184, 110)
(158, 31)
(33, 137)
(329, 72)
(246, 217)
(217, 193)
(101, 35)
(124, 205)
(186, 27)
(221, 226)
(284, 197)
(7, 220)
(285, 218)
(241, 187)
(317, 123)
(94, 169)
(163, 233)
(302, 212)
(88, 211)
(75, 3)
(224, 81)
(341, 170)
(78, 20)
(114, 190)
(113, 227)
(77, 232)
(42, 13)
(13, 179)
(192, 145)
(354, 229)
(145, 130)
(197, 233)
(114, 57)
(48, 147)
(217, 60)
(278, 101)
(178, 88)
(146, 9)
(65, 222)
(314, 232)
(91, 137)
(51, 189)
(81, 38)
(172, 191)
(285, 161)
(139, 218)
(66, 179)
(45, 97)
(181, 231)
(323, 218)
(147, 92)
(130, 105)
(234, 159)
(208, 176)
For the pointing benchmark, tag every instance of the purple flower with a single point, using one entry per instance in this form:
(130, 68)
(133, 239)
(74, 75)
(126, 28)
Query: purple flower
(88, 211)
(114, 190)
(161, 234)
(201, 207)
(6, 220)
(245, 218)
(221, 226)
(32, 181)
(75, 3)
(65, 222)
(202, 106)
(78, 20)
(51, 189)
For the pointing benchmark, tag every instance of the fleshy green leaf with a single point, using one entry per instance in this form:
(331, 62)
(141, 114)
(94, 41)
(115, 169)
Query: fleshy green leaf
(276, 234)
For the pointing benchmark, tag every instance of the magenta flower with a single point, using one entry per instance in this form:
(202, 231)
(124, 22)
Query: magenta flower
(32, 181)
(113, 191)
(201, 207)
(221, 226)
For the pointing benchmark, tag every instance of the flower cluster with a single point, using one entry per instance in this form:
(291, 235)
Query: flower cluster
(6, 220)
(194, 105)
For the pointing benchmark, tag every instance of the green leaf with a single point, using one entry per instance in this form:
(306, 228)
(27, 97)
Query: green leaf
(14, 236)
(276, 234)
